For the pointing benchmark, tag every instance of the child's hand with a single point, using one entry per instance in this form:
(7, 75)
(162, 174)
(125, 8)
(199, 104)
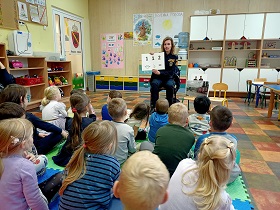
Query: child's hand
(90, 109)
(30, 156)
(42, 135)
(64, 134)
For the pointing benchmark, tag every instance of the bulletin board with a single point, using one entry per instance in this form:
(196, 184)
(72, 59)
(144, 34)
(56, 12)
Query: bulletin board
(33, 11)
(8, 14)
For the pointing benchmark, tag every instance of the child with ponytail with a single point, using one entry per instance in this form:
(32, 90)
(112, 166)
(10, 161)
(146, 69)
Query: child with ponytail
(80, 105)
(92, 170)
(18, 181)
(201, 184)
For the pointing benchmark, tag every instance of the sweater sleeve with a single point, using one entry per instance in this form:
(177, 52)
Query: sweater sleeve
(6, 78)
(131, 142)
(61, 109)
(38, 123)
(30, 187)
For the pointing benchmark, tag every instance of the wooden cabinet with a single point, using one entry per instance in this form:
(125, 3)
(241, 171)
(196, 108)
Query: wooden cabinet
(270, 57)
(3, 57)
(210, 26)
(272, 29)
(61, 69)
(32, 75)
(248, 25)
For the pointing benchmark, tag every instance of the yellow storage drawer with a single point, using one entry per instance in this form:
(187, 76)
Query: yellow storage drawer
(116, 79)
(102, 78)
(130, 79)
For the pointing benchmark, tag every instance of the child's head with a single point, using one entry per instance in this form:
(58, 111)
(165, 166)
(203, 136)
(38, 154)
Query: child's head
(162, 106)
(143, 182)
(114, 94)
(11, 110)
(100, 137)
(79, 104)
(215, 162)
(16, 137)
(140, 111)
(178, 114)
(51, 93)
(14, 93)
(201, 104)
(220, 118)
(117, 108)
(79, 91)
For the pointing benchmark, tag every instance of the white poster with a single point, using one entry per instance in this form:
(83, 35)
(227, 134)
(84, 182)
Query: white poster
(22, 11)
(166, 24)
(75, 37)
(34, 14)
(155, 61)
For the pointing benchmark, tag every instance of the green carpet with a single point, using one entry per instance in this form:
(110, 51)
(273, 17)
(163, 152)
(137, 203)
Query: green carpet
(52, 153)
(238, 190)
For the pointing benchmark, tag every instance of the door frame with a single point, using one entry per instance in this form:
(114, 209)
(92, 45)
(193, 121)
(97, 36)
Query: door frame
(63, 14)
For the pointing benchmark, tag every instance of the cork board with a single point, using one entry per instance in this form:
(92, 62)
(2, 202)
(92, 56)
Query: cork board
(8, 14)
(33, 11)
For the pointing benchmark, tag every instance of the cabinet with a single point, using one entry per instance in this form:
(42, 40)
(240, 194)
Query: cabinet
(32, 67)
(270, 57)
(272, 30)
(248, 25)
(61, 69)
(127, 83)
(3, 54)
(210, 26)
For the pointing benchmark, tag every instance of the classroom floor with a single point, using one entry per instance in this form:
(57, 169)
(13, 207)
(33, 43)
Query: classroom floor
(259, 145)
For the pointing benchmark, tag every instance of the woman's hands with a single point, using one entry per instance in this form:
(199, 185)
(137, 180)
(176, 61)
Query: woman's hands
(155, 71)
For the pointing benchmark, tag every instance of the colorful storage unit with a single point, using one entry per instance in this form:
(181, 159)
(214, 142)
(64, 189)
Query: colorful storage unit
(144, 84)
(182, 85)
(116, 83)
(130, 83)
(102, 82)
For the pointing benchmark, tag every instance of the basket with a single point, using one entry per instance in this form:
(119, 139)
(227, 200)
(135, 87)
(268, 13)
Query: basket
(29, 81)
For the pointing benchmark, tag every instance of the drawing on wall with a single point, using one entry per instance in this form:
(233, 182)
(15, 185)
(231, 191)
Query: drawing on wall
(167, 24)
(142, 29)
(112, 56)
(22, 11)
(128, 35)
(43, 14)
(34, 14)
(75, 37)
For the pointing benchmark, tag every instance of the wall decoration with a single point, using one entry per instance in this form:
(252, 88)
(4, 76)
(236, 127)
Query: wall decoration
(142, 29)
(22, 11)
(128, 35)
(34, 14)
(166, 24)
(112, 55)
(75, 37)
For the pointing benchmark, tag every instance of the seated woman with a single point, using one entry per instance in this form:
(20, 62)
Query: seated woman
(164, 78)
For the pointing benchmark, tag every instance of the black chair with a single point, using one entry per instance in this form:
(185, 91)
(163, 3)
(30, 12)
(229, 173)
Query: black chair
(250, 94)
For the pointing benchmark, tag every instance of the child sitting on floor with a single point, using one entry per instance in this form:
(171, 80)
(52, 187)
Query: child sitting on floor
(140, 112)
(201, 184)
(126, 143)
(79, 91)
(92, 170)
(221, 120)
(199, 122)
(80, 104)
(53, 111)
(12, 110)
(104, 111)
(143, 182)
(158, 118)
(18, 180)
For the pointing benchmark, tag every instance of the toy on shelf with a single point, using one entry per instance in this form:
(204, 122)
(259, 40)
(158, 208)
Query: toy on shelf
(63, 80)
(251, 61)
(14, 64)
(230, 61)
(57, 68)
(231, 45)
(51, 83)
(245, 45)
(57, 81)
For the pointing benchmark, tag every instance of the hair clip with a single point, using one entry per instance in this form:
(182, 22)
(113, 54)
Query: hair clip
(74, 110)
(15, 140)
(84, 146)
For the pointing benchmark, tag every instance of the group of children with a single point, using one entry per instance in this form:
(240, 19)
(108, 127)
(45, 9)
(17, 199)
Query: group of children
(94, 152)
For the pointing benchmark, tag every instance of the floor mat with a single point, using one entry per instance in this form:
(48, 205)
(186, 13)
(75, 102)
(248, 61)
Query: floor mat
(52, 153)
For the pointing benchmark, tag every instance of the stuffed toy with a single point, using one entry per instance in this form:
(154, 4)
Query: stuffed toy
(51, 83)
(57, 81)
(63, 80)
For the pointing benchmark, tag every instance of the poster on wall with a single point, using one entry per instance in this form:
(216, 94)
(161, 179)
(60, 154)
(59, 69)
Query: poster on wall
(142, 29)
(112, 56)
(166, 24)
(22, 11)
(75, 37)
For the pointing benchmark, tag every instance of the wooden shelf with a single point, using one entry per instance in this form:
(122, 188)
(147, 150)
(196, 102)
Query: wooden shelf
(270, 58)
(205, 50)
(34, 85)
(31, 68)
(270, 49)
(205, 41)
(17, 57)
(2, 57)
(57, 72)
(64, 85)
(229, 50)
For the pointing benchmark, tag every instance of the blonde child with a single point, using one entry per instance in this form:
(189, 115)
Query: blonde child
(92, 170)
(81, 105)
(201, 184)
(143, 182)
(18, 180)
(140, 112)
(126, 143)
(53, 111)
(12, 110)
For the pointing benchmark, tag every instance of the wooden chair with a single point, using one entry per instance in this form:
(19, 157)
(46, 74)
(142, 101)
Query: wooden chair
(266, 94)
(221, 88)
(260, 80)
(188, 98)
